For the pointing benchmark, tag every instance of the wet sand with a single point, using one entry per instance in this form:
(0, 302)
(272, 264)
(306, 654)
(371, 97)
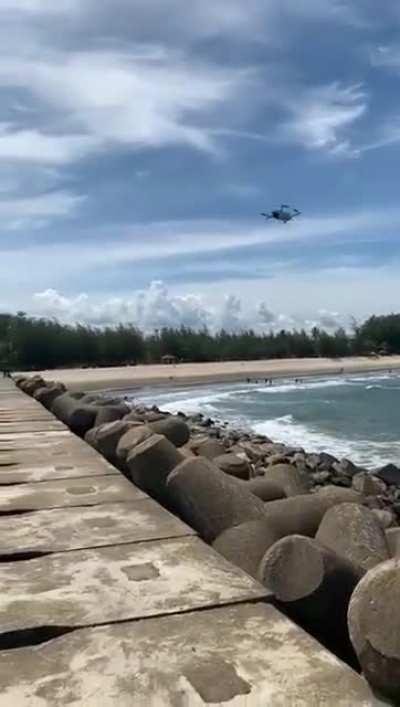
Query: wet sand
(134, 377)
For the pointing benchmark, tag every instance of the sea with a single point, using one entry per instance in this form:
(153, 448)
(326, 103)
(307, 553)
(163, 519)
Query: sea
(350, 416)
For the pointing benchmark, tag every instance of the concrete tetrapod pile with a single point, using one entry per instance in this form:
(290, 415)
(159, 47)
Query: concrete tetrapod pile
(315, 542)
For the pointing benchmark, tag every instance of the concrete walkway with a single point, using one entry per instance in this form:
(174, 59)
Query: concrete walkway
(108, 599)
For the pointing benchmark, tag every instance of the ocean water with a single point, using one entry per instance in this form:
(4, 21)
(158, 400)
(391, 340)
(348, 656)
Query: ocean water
(352, 416)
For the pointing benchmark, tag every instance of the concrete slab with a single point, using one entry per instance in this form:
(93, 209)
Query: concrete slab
(24, 438)
(86, 491)
(51, 443)
(70, 468)
(19, 412)
(18, 427)
(96, 526)
(23, 416)
(89, 587)
(242, 656)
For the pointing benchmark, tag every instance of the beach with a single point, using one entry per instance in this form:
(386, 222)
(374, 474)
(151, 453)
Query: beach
(134, 377)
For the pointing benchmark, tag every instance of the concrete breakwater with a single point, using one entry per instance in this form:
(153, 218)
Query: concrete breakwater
(157, 564)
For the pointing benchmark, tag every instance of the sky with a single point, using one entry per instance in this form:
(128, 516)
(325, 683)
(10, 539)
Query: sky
(141, 139)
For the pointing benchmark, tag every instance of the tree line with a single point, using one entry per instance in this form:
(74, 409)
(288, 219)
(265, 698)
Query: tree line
(39, 343)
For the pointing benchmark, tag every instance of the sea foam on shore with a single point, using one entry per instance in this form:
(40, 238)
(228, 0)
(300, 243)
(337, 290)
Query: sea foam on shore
(353, 416)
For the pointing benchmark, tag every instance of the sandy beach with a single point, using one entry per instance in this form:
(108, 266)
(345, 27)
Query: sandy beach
(133, 377)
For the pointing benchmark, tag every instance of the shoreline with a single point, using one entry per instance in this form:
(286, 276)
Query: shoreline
(192, 374)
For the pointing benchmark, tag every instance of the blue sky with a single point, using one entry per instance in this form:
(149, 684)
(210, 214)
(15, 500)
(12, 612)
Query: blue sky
(140, 139)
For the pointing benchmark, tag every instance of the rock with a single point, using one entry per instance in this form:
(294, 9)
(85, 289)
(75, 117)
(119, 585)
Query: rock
(313, 586)
(264, 489)
(312, 461)
(18, 380)
(270, 448)
(321, 461)
(321, 477)
(385, 517)
(173, 428)
(135, 416)
(345, 468)
(111, 413)
(375, 502)
(153, 416)
(245, 545)
(107, 437)
(30, 385)
(254, 452)
(393, 541)
(275, 459)
(90, 398)
(354, 533)
(135, 435)
(374, 625)
(209, 500)
(300, 515)
(150, 463)
(343, 481)
(289, 478)
(336, 495)
(77, 395)
(187, 452)
(368, 484)
(47, 395)
(90, 437)
(73, 413)
(233, 465)
(209, 449)
(390, 474)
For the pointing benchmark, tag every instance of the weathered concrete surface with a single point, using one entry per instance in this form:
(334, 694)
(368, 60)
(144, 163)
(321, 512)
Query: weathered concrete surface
(17, 414)
(25, 448)
(95, 526)
(85, 491)
(88, 587)
(12, 472)
(25, 440)
(240, 656)
(26, 426)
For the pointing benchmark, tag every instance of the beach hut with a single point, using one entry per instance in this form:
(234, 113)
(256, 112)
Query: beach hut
(168, 359)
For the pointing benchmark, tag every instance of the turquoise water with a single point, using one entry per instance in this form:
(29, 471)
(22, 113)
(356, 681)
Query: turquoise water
(357, 417)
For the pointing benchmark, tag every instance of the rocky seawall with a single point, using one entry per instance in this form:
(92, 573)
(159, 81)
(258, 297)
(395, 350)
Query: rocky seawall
(320, 533)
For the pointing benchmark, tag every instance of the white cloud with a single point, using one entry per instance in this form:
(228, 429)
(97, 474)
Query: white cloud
(230, 318)
(156, 307)
(387, 56)
(330, 320)
(321, 115)
(33, 146)
(266, 316)
(150, 309)
(33, 212)
(103, 98)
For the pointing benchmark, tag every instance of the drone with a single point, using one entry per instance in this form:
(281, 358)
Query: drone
(284, 214)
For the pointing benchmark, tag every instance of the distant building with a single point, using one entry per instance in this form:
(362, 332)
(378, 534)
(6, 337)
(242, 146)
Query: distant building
(168, 359)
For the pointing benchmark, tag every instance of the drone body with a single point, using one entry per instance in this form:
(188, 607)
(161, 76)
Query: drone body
(284, 214)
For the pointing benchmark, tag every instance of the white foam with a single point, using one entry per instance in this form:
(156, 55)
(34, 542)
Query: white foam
(188, 403)
(288, 387)
(237, 403)
(364, 452)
